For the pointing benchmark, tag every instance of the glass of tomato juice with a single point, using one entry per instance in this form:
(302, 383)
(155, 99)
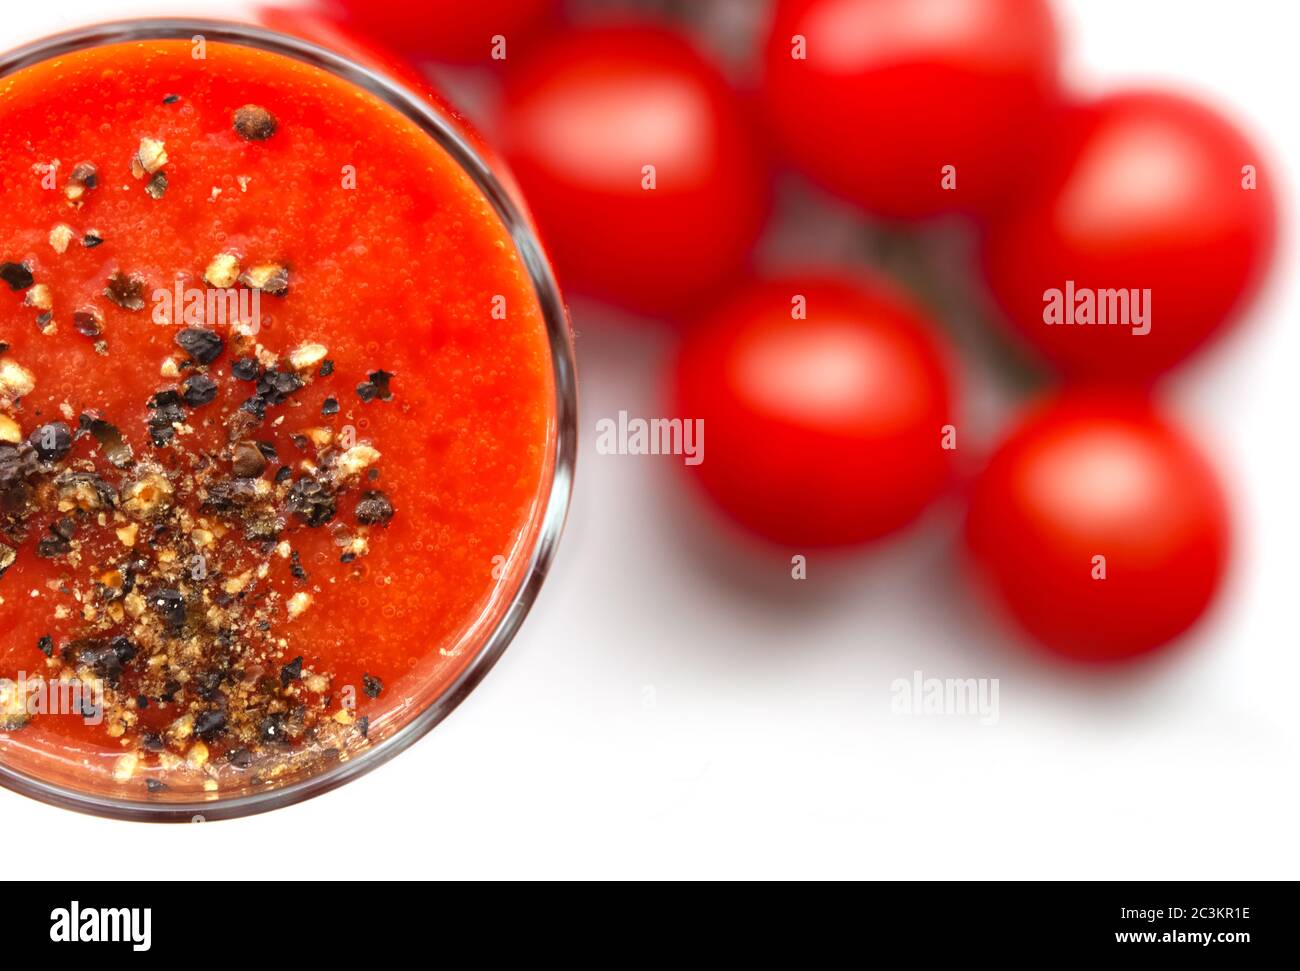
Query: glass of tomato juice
(287, 418)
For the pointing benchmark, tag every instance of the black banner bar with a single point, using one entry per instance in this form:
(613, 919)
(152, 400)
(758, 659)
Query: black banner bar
(149, 920)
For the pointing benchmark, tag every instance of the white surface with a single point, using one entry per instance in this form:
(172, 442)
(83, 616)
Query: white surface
(670, 711)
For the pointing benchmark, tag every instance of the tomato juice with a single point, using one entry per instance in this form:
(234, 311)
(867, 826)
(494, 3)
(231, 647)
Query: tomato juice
(277, 416)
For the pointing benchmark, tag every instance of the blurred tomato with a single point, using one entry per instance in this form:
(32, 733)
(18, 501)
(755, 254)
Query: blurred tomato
(1147, 191)
(341, 39)
(1099, 475)
(337, 36)
(450, 30)
(637, 163)
(822, 431)
(889, 92)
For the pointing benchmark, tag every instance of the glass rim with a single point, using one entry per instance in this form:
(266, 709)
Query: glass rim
(563, 452)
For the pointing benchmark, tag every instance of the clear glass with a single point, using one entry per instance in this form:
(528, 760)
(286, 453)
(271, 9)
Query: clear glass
(513, 601)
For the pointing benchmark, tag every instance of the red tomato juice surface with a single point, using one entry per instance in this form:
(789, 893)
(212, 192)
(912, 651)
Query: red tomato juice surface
(270, 525)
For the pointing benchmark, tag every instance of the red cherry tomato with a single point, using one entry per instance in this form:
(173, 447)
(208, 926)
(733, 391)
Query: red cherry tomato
(889, 92)
(824, 431)
(1146, 192)
(450, 30)
(1094, 476)
(342, 39)
(637, 163)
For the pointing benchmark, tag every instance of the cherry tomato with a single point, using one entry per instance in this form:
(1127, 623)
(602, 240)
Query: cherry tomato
(342, 39)
(637, 162)
(875, 98)
(1147, 192)
(820, 431)
(1099, 528)
(450, 30)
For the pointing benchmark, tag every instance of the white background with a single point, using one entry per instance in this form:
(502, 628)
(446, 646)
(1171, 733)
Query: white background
(673, 710)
